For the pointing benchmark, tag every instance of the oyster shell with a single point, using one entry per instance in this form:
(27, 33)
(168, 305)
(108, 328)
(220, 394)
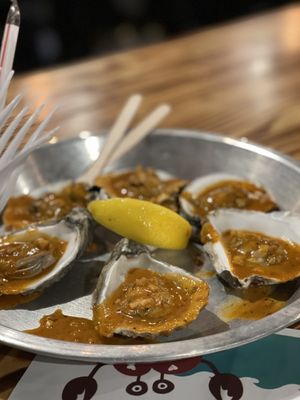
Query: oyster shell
(252, 248)
(150, 303)
(221, 187)
(35, 272)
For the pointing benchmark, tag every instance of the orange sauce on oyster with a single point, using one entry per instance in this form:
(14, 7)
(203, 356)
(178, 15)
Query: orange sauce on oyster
(74, 329)
(208, 233)
(256, 302)
(231, 194)
(152, 303)
(15, 249)
(24, 210)
(144, 184)
(253, 253)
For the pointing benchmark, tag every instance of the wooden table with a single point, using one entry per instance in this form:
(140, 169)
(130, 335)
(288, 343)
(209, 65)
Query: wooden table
(240, 79)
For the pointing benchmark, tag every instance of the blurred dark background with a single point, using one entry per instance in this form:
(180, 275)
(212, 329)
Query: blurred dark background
(59, 31)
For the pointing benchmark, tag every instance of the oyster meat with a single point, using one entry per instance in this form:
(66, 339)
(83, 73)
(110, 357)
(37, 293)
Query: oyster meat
(221, 190)
(137, 295)
(38, 256)
(253, 248)
(141, 183)
(52, 202)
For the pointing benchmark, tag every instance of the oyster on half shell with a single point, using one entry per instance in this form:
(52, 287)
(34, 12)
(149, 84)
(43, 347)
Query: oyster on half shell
(47, 203)
(221, 190)
(142, 183)
(137, 295)
(254, 248)
(36, 257)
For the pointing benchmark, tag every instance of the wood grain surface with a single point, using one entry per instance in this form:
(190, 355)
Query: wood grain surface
(240, 79)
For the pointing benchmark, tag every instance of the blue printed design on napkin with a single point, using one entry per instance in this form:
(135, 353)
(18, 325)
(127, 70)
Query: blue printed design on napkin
(272, 361)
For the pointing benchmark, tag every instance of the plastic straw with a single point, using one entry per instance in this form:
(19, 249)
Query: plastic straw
(9, 43)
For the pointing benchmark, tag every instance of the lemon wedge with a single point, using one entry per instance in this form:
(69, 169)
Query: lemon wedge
(142, 221)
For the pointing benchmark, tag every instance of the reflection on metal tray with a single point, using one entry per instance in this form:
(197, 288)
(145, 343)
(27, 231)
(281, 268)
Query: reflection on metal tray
(185, 154)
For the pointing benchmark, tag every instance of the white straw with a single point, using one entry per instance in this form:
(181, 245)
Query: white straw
(4, 84)
(113, 138)
(17, 140)
(137, 134)
(11, 128)
(42, 127)
(23, 154)
(8, 46)
(7, 111)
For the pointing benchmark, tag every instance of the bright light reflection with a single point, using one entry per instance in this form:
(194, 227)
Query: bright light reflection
(244, 139)
(53, 140)
(84, 134)
(92, 147)
(22, 185)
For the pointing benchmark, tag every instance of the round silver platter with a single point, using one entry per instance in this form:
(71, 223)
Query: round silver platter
(185, 154)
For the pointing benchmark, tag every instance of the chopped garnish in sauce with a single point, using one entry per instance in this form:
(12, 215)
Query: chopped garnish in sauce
(230, 194)
(24, 210)
(152, 303)
(74, 329)
(253, 253)
(143, 184)
(27, 257)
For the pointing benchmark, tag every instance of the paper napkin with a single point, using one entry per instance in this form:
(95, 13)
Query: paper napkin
(267, 369)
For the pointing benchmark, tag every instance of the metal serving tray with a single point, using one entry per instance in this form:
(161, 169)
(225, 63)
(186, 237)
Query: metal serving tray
(186, 154)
